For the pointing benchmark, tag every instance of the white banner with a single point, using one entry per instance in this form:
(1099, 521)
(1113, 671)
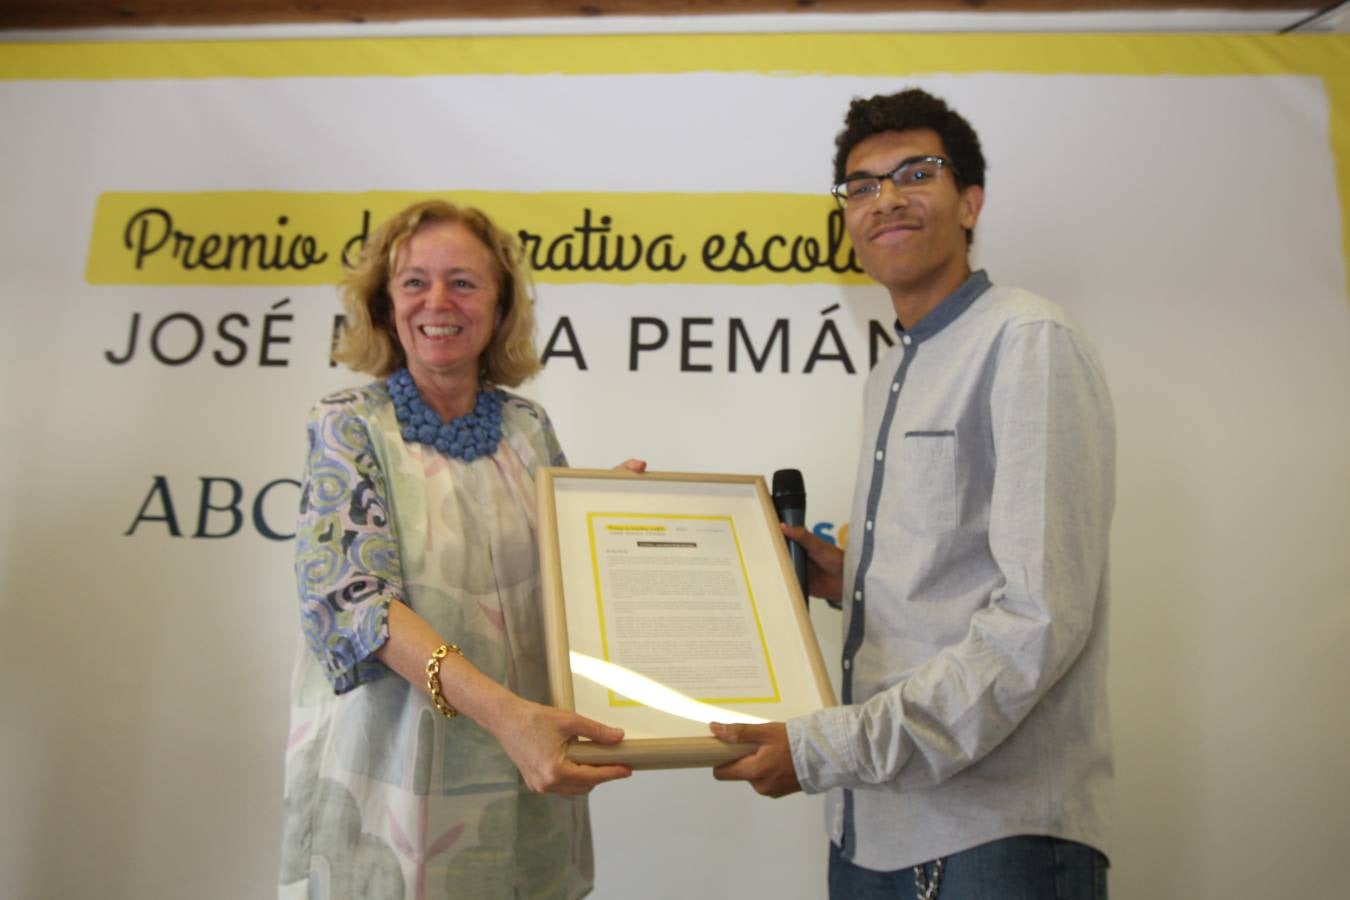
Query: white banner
(175, 216)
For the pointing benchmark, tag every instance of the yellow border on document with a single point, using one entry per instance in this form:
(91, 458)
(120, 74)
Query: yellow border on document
(1323, 56)
(745, 574)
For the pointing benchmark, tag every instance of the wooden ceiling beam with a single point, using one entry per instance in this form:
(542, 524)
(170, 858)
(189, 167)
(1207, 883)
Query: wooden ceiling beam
(100, 13)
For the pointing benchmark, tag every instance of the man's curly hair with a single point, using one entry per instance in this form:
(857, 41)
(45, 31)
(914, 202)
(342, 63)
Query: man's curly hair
(907, 110)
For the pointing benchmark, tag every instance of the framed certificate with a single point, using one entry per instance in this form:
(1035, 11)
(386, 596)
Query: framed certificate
(670, 602)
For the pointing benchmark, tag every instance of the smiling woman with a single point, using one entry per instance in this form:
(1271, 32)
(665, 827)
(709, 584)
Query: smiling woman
(464, 243)
(417, 568)
(444, 292)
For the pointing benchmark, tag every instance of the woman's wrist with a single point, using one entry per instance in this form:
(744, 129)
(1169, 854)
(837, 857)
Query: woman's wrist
(434, 679)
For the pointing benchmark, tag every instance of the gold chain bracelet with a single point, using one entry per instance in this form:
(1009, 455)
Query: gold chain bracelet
(434, 678)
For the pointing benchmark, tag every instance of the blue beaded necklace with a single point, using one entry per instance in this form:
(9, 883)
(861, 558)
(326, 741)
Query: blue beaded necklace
(468, 437)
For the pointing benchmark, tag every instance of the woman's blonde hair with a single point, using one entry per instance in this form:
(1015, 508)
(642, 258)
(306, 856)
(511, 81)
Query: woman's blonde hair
(369, 342)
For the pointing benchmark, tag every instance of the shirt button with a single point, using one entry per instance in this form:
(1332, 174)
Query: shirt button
(895, 386)
(857, 595)
(869, 524)
(848, 664)
(908, 340)
(880, 454)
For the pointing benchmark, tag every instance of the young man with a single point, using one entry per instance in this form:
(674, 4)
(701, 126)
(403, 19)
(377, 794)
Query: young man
(971, 757)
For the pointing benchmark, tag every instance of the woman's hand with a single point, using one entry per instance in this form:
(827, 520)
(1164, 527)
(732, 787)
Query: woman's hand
(633, 465)
(824, 563)
(536, 738)
(533, 735)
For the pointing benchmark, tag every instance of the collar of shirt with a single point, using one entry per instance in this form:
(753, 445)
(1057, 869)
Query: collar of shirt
(949, 309)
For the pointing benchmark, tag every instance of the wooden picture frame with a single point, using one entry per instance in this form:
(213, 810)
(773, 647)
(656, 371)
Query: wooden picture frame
(670, 601)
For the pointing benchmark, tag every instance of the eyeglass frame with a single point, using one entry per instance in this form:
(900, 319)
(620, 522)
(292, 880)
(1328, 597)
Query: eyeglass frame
(942, 163)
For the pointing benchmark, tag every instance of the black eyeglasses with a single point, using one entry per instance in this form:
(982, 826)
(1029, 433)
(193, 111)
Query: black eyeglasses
(912, 173)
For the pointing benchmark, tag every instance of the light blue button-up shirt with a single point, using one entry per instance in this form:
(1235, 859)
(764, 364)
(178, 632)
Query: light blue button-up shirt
(975, 592)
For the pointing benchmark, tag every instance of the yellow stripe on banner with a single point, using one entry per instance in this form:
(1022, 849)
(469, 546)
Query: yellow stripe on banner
(274, 238)
(785, 54)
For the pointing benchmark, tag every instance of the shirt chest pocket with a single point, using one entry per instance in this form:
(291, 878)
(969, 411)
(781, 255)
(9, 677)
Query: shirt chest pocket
(926, 478)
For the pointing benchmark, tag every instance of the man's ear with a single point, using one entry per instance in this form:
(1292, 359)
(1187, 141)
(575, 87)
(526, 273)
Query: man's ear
(972, 201)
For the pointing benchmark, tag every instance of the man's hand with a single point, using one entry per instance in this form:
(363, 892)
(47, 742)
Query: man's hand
(769, 768)
(824, 563)
(637, 466)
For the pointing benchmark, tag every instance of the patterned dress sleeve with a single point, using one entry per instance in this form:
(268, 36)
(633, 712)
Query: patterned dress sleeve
(346, 555)
(553, 449)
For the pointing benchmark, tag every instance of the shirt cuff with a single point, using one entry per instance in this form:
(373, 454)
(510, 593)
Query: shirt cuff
(821, 751)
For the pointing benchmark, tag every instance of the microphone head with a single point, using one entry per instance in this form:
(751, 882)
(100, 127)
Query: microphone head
(788, 481)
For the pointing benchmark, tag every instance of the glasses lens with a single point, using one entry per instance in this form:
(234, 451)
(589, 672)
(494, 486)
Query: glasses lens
(917, 173)
(858, 188)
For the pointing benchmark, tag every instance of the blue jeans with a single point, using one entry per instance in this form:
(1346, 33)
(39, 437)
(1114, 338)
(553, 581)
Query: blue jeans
(1026, 867)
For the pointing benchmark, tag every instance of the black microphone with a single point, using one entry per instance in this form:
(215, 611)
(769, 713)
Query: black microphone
(789, 499)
